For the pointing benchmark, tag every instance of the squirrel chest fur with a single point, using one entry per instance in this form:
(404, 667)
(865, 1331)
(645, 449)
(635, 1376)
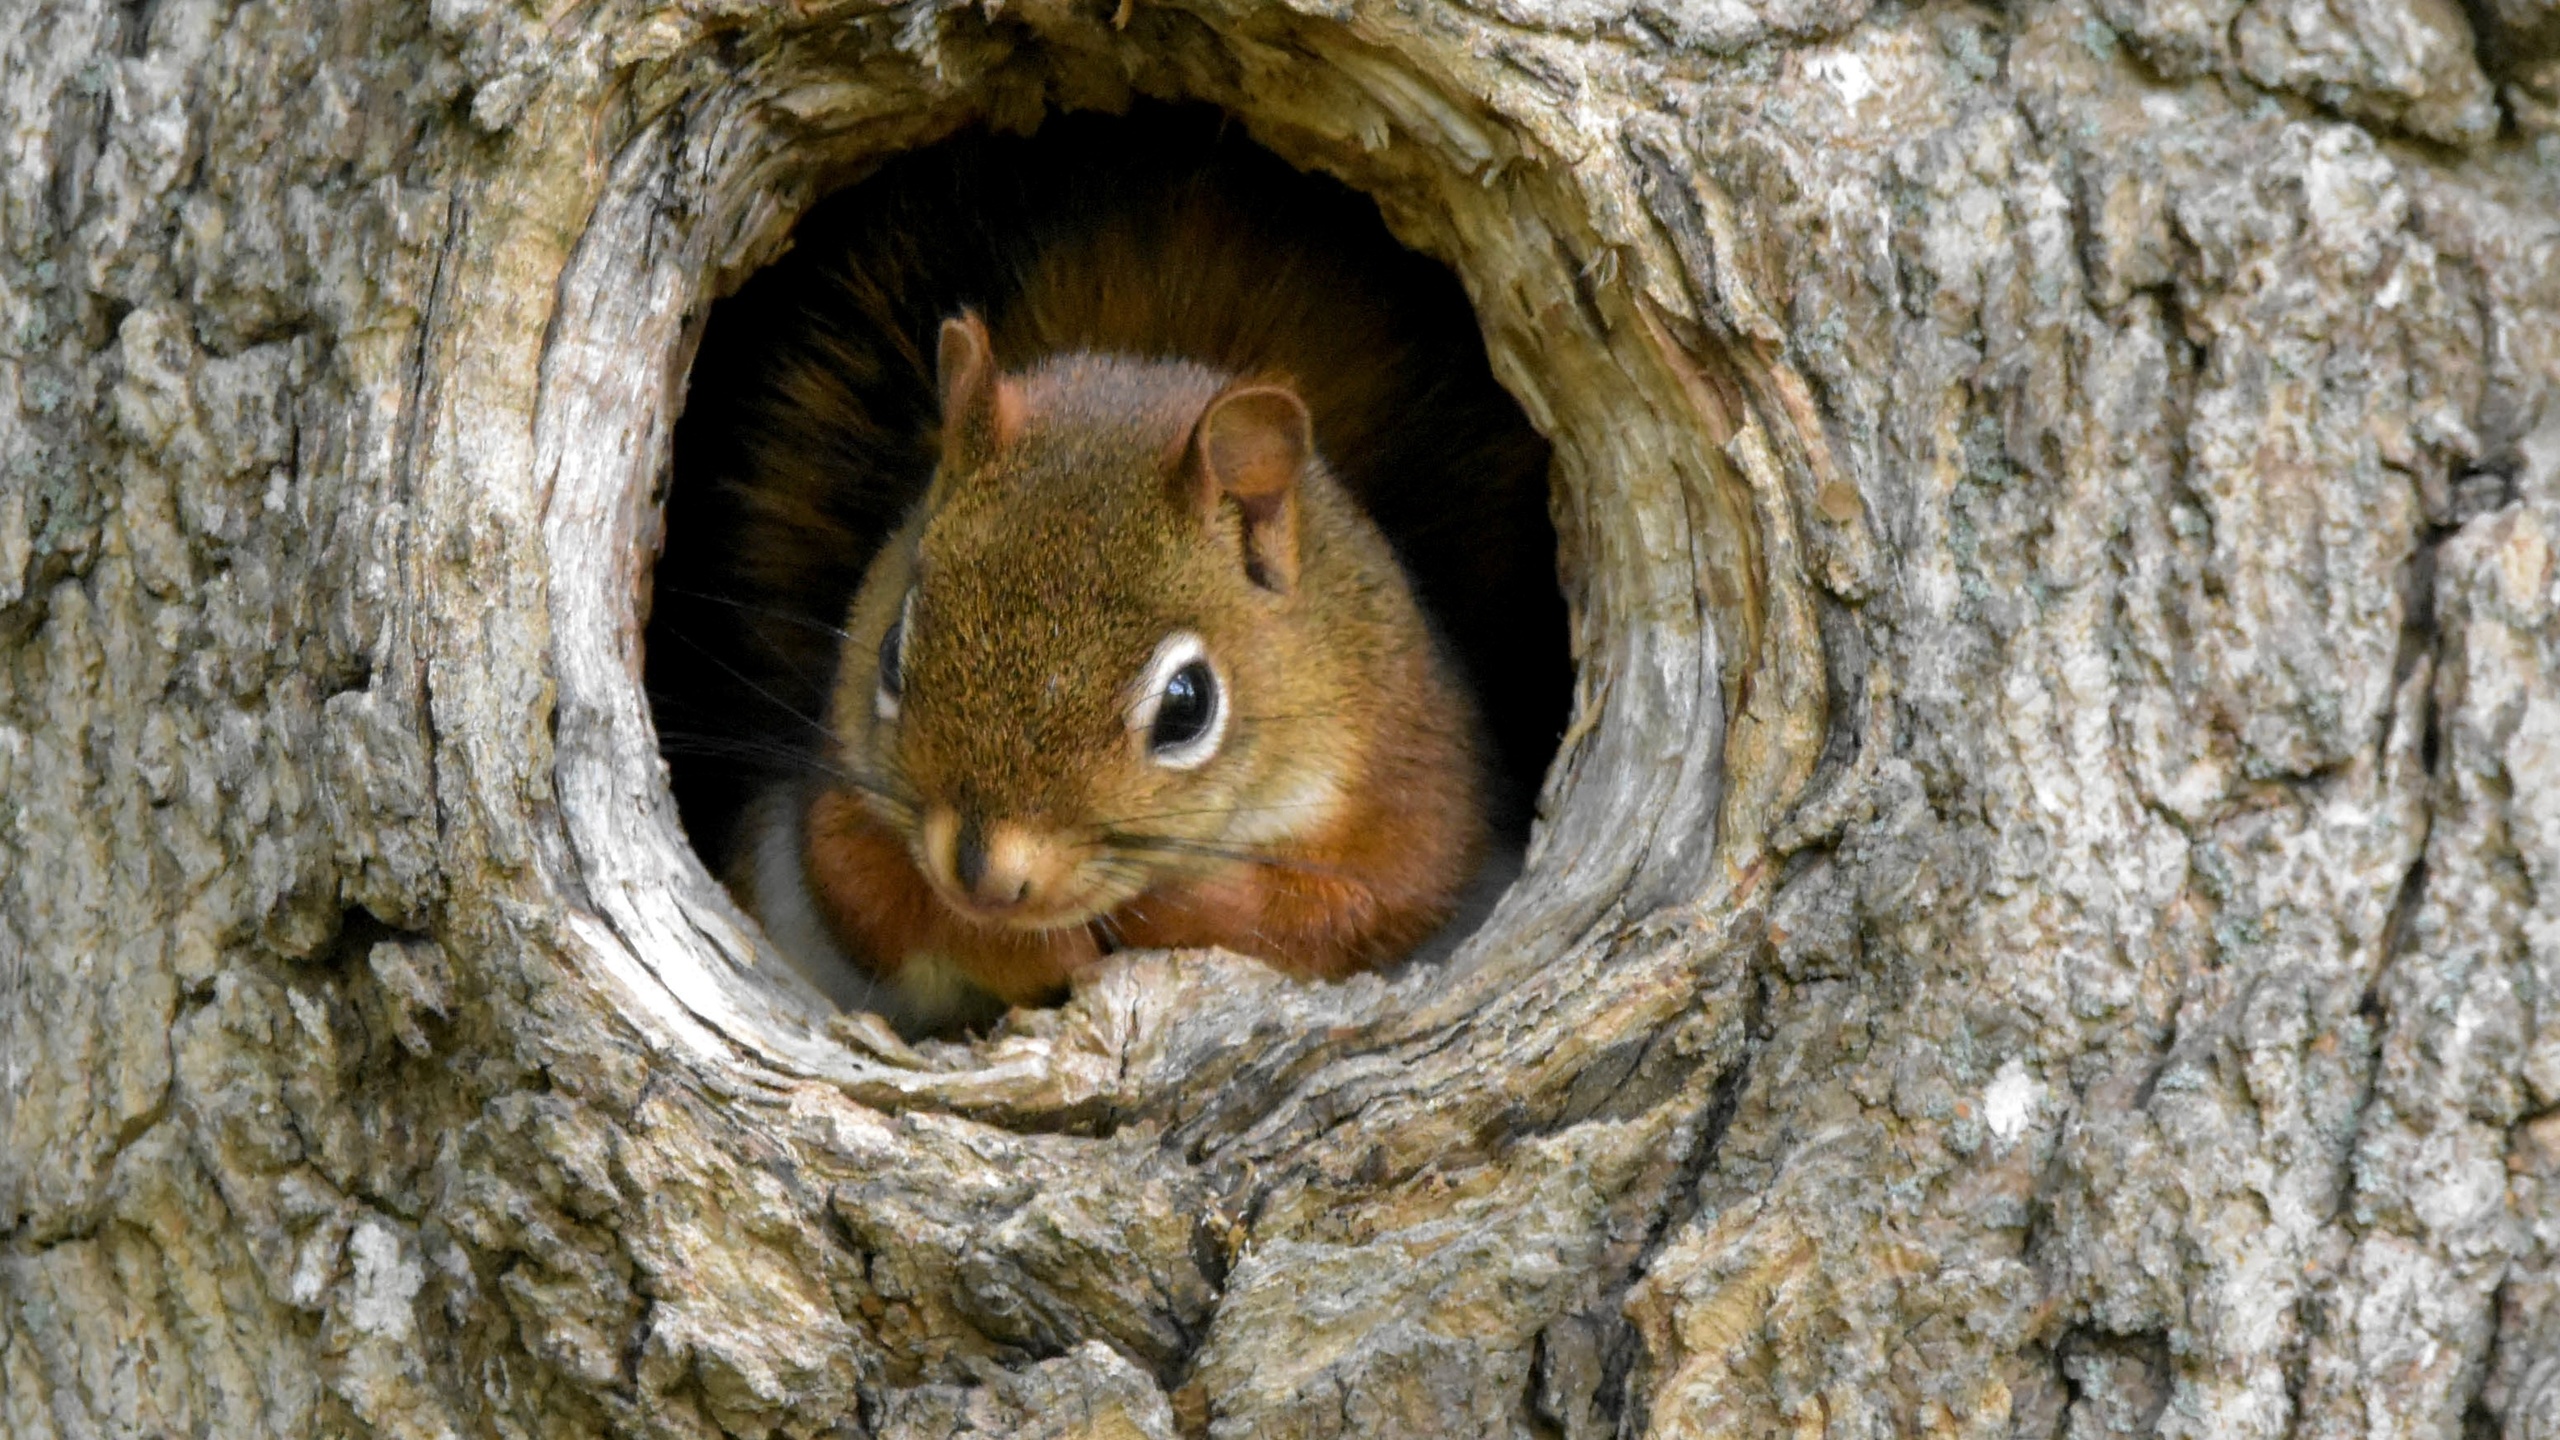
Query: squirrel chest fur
(1127, 662)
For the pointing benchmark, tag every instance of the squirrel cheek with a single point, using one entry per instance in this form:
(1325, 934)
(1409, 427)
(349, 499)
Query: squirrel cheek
(1304, 802)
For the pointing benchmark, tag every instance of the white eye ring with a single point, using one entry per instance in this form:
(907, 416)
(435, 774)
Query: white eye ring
(1174, 654)
(893, 661)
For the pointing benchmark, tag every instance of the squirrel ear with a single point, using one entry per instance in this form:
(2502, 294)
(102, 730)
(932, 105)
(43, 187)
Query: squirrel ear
(982, 411)
(1249, 447)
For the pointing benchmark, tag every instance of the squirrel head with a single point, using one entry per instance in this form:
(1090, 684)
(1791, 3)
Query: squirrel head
(1134, 632)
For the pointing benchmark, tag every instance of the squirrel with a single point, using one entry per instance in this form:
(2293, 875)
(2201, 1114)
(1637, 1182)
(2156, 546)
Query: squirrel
(1050, 535)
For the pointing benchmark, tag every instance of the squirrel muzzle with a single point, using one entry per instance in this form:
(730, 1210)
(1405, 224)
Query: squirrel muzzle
(999, 871)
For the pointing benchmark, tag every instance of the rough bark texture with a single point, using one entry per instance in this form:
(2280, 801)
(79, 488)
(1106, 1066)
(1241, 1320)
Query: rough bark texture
(2047, 922)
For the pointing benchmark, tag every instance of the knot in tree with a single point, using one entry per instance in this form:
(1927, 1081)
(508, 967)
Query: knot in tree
(2040, 918)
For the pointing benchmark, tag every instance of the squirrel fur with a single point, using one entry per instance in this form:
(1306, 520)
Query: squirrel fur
(1031, 474)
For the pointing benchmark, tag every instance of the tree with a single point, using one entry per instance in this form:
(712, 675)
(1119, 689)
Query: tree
(2048, 919)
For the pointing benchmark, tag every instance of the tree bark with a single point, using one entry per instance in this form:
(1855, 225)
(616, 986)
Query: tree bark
(2047, 920)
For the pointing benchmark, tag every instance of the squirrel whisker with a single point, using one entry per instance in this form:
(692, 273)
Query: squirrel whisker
(1251, 717)
(743, 678)
(769, 612)
(786, 759)
(1167, 845)
(1104, 828)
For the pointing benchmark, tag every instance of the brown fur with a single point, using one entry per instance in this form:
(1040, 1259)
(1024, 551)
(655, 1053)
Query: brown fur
(1197, 263)
(1047, 565)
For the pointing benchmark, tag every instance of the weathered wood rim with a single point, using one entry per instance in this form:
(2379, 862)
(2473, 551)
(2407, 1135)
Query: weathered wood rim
(1701, 699)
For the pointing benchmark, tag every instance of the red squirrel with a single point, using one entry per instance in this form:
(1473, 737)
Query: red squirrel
(1136, 667)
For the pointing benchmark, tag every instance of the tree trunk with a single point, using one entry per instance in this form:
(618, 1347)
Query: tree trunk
(2047, 920)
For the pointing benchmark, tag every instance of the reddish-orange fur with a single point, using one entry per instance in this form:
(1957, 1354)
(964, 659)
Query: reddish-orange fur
(882, 908)
(1331, 833)
(1366, 889)
(1132, 313)
(1375, 886)
(1372, 887)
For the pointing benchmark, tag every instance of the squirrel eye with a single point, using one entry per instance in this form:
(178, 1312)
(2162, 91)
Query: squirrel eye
(1182, 710)
(1190, 703)
(893, 654)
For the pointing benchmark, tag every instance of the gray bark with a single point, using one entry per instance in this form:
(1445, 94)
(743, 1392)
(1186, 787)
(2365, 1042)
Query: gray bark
(2047, 922)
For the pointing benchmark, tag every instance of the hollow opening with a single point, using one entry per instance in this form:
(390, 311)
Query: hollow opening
(814, 422)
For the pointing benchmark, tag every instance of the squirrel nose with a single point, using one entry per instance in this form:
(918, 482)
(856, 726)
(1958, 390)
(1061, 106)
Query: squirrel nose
(993, 864)
(969, 855)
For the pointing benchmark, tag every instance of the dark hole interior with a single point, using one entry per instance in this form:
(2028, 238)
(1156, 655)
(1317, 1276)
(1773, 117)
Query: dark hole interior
(811, 426)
